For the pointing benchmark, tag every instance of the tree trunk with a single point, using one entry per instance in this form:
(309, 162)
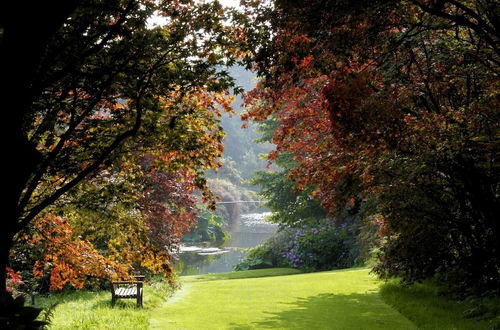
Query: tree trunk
(23, 159)
(6, 239)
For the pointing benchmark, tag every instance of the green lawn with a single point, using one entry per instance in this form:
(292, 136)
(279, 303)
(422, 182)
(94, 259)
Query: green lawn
(92, 310)
(346, 299)
(275, 299)
(422, 304)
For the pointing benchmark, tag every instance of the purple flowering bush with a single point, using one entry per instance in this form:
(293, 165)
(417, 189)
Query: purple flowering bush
(315, 246)
(267, 255)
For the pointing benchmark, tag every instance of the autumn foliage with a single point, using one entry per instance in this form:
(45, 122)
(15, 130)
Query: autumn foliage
(67, 259)
(395, 105)
(101, 87)
(130, 219)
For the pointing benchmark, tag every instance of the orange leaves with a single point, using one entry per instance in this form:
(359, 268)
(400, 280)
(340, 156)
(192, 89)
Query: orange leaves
(69, 260)
(272, 155)
(62, 274)
(191, 130)
(306, 61)
(245, 117)
(38, 271)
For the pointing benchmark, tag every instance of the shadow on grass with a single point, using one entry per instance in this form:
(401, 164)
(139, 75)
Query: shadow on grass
(67, 296)
(100, 299)
(119, 304)
(331, 311)
(423, 304)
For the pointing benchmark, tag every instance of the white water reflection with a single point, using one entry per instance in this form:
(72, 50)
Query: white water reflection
(202, 251)
(256, 219)
(251, 231)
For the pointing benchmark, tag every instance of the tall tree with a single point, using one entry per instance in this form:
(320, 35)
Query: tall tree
(83, 81)
(395, 103)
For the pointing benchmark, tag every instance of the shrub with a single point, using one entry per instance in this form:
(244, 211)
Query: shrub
(209, 228)
(258, 257)
(318, 245)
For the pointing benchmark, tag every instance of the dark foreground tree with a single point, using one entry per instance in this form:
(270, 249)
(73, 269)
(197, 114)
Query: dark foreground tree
(82, 78)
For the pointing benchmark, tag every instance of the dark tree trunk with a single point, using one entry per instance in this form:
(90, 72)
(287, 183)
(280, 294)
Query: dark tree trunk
(5, 245)
(22, 45)
(17, 172)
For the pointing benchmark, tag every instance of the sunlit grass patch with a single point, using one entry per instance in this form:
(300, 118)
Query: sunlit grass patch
(274, 299)
(346, 299)
(92, 310)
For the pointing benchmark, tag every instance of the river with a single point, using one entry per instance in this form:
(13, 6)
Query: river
(248, 231)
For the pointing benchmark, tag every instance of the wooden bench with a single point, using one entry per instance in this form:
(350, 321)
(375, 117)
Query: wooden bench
(127, 290)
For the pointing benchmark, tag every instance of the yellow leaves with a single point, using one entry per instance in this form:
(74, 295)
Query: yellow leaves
(199, 100)
(189, 140)
(69, 260)
(38, 269)
(190, 127)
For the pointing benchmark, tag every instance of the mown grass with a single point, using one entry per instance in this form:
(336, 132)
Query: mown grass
(276, 299)
(346, 299)
(422, 304)
(241, 274)
(92, 310)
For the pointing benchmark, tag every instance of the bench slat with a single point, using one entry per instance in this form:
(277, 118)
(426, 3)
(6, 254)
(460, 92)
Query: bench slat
(127, 289)
(126, 292)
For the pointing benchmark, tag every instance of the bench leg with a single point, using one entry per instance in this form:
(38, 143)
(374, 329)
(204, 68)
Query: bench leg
(139, 294)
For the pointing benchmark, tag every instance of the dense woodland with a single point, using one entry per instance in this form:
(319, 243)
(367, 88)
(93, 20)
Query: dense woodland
(380, 120)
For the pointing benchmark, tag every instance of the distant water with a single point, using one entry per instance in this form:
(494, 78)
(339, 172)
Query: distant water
(251, 231)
